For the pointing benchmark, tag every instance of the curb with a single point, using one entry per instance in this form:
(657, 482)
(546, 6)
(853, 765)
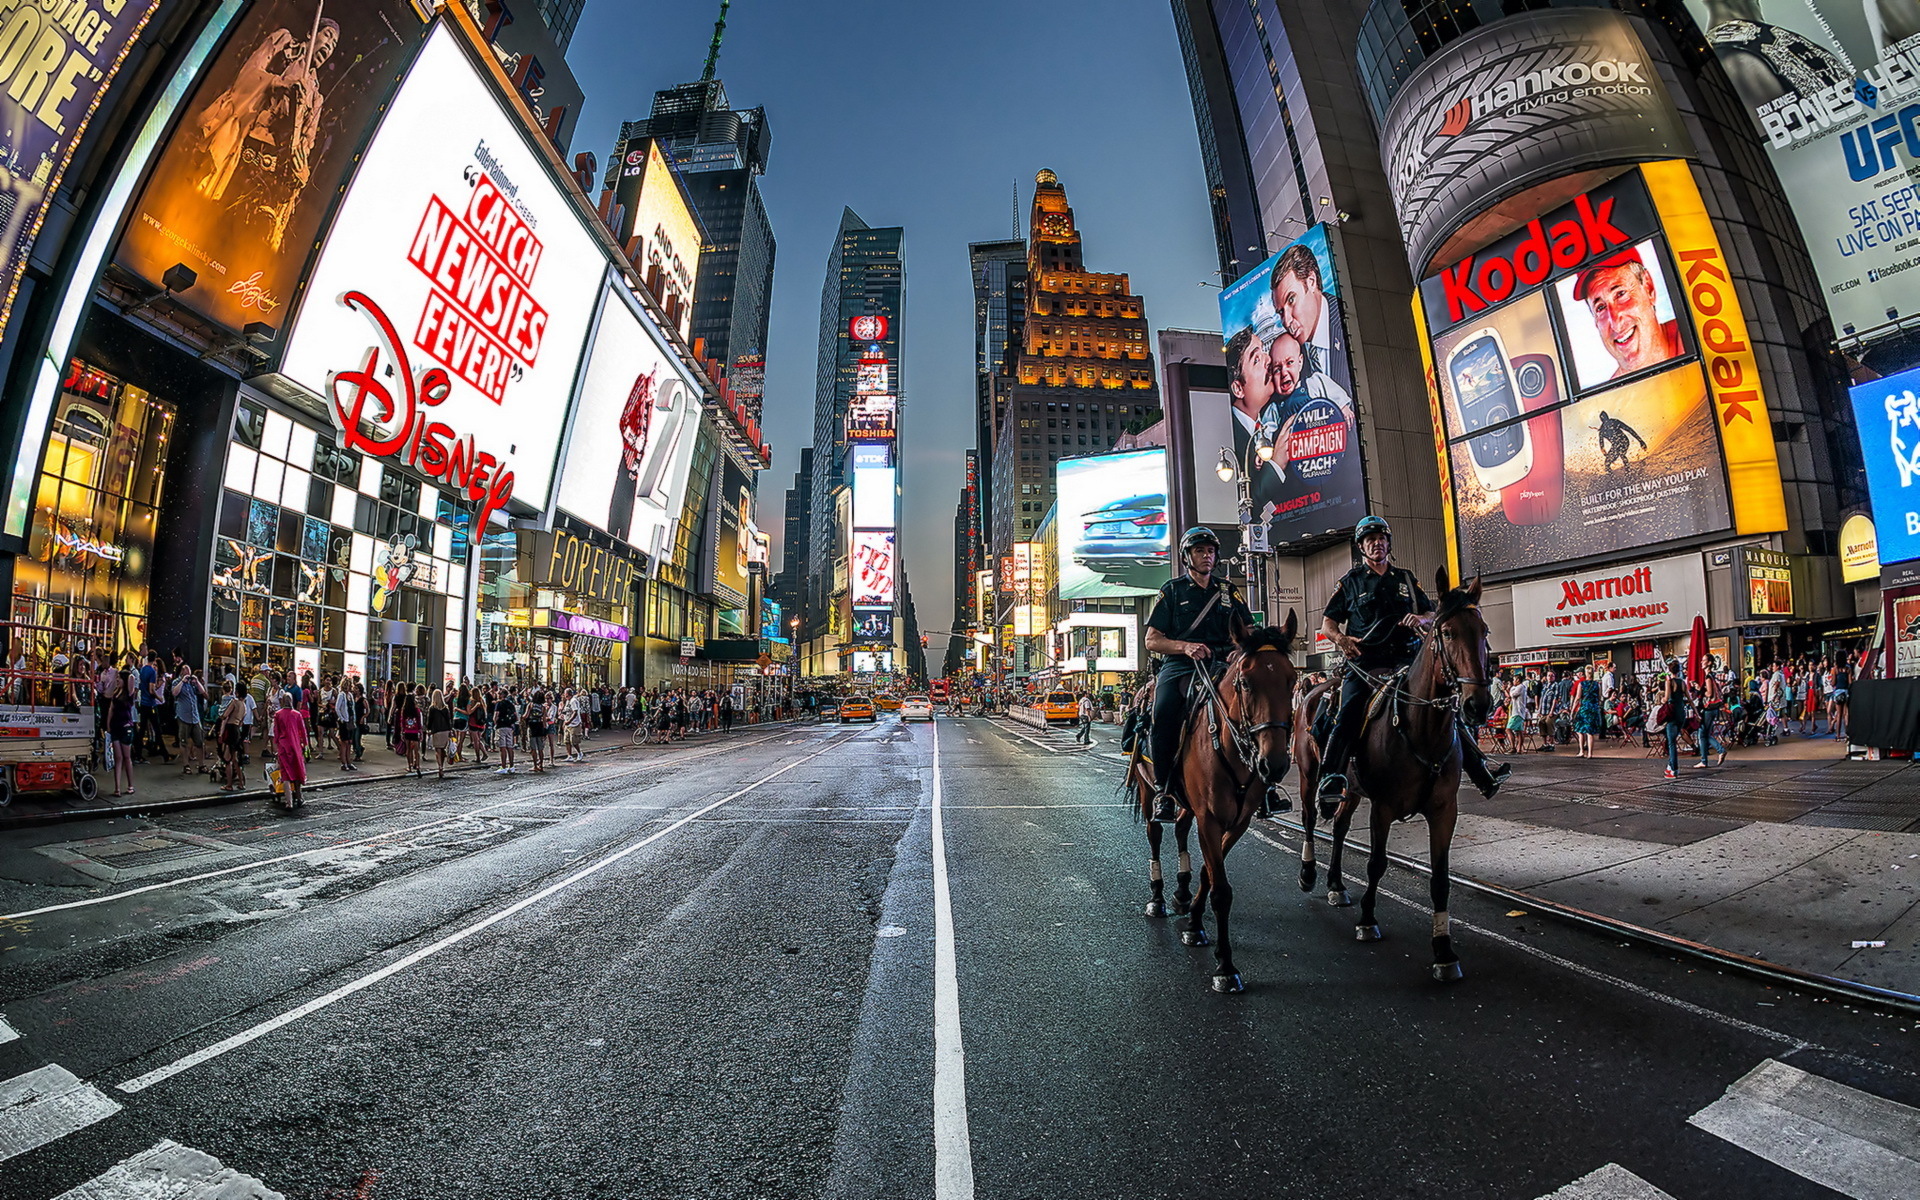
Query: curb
(59, 816)
(1888, 999)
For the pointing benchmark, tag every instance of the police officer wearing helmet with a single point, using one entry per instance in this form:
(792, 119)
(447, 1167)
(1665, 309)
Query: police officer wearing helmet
(1376, 617)
(1194, 624)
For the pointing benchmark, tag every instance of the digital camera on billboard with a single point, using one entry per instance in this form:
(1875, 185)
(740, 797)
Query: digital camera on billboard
(1484, 394)
(1537, 498)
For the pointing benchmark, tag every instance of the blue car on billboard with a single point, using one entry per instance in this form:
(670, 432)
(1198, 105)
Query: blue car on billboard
(1125, 542)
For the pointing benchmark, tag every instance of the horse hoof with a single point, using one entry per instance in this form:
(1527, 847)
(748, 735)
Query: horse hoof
(1228, 984)
(1195, 937)
(1447, 972)
(1156, 908)
(1367, 933)
(1309, 876)
(1182, 907)
(1339, 898)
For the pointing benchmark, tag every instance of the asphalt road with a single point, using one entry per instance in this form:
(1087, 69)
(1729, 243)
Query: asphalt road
(772, 967)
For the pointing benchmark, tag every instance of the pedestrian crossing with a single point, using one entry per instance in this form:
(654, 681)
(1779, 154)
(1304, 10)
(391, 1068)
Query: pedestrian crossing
(1852, 1142)
(45, 1105)
(173, 1172)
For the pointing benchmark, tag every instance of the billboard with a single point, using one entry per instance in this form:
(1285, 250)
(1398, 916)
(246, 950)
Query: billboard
(873, 569)
(1291, 388)
(873, 626)
(1830, 89)
(1622, 602)
(1591, 395)
(243, 188)
(873, 497)
(456, 269)
(1518, 102)
(58, 63)
(1113, 524)
(733, 503)
(1887, 414)
(662, 235)
(635, 423)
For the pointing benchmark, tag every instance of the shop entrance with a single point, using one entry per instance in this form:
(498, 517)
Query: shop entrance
(394, 662)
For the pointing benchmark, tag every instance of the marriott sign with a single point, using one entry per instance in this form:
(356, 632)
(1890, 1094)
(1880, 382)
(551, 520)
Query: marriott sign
(1622, 603)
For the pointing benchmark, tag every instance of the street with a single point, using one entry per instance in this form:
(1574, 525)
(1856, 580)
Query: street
(720, 969)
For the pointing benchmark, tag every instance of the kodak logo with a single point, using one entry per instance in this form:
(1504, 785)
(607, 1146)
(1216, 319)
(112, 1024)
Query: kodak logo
(1476, 283)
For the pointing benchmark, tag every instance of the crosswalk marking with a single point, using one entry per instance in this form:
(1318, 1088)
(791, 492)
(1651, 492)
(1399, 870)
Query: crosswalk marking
(1856, 1143)
(7, 1032)
(1611, 1182)
(170, 1171)
(45, 1105)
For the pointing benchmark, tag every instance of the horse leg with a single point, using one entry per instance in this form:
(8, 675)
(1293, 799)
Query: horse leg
(1336, 885)
(1309, 783)
(1156, 907)
(1196, 931)
(1368, 930)
(1446, 965)
(1225, 977)
(1183, 879)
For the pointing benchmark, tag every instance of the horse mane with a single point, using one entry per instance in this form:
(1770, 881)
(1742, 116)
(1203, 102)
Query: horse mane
(1268, 637)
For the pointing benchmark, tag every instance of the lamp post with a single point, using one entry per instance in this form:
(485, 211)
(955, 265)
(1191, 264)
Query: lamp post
(1239, 471)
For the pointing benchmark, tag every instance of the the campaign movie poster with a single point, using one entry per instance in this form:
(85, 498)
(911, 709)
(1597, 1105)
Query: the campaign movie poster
(243, 187)
(1291, 391)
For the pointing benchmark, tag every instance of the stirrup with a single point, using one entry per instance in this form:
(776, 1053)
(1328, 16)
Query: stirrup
(1333, 793)
(1165, 807)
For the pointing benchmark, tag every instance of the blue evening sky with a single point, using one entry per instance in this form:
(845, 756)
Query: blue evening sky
(923, 115)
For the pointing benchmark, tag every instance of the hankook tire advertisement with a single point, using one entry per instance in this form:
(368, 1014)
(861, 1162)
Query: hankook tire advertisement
(1521, 101)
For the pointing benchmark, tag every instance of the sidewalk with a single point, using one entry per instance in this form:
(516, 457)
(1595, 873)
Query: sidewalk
(159, 786)
(1787, 859)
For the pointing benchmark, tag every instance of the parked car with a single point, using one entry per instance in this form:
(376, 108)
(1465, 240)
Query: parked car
(857, 708)
(916, 708)
(1125, 542)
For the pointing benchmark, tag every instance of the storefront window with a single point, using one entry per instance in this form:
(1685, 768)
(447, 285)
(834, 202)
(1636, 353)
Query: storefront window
(89, 554)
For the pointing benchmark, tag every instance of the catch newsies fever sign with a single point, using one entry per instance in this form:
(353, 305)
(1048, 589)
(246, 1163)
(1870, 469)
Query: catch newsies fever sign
(446, 317)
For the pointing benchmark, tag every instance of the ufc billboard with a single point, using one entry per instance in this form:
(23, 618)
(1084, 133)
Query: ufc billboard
(1520, 102)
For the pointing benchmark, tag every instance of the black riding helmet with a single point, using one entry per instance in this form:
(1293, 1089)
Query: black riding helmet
(1199, 535)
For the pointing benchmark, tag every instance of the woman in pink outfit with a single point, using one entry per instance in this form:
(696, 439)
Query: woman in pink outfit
(289, 744)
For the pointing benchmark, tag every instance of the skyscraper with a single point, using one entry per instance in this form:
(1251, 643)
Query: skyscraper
(1083, 372)
(999, 306)
(864, 278)
(720, 152)
(790, 585)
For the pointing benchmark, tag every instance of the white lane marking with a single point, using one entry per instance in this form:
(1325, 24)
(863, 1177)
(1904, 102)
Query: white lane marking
(45, 1105)
(157, 1075)
(170, 1171)
(1854, 1142)
(7, 1032)
(1611, 1182)
(1023, 737)
(952, 1144)
(441, 819)
(1647, 993)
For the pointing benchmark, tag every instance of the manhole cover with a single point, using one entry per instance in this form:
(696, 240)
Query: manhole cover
(125, 856)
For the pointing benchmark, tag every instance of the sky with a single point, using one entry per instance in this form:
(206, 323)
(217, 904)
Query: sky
(925, 116)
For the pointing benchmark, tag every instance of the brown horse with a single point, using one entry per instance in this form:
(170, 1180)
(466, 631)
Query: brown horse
(1407, 761)
(1140, 781)
(1234, 748)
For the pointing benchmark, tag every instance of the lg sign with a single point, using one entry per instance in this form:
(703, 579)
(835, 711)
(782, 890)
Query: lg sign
(868, 328)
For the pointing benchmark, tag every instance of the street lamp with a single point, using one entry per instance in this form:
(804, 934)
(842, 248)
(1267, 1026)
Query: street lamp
(1240, 471)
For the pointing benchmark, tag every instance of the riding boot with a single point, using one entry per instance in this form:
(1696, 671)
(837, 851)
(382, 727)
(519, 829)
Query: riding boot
(1165, 807)
(1487, 776)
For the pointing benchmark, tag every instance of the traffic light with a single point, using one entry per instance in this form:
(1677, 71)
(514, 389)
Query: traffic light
(923, 641)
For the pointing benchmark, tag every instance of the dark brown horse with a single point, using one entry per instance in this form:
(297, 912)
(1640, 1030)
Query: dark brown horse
(1407, 761)
(1234, 748)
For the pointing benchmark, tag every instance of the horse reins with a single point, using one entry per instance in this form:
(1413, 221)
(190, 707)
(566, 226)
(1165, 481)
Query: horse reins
(1242, 738)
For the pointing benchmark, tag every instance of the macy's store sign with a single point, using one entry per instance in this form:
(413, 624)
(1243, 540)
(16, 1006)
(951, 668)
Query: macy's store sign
(1620, 603)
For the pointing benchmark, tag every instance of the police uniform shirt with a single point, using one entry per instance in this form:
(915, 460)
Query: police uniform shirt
(1181, 601)
(1371, 606)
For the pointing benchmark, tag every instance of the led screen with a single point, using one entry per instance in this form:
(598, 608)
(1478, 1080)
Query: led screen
(873, 568)
(634, 429)
(1291, 389)
(873, 625)
(1113, 524)
(873, 497)
(1887, 414)
(454, 250)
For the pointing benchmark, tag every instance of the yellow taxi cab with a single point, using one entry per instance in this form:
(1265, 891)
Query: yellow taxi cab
(1060, 706)
(856, 708)
(887, 703)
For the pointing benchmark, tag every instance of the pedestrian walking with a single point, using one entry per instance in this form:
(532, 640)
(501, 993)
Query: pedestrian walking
(506, 715)
(343, 720)
(439, 730)
(1708, 707)
(121, 725)
(152, 690)
(574, 710)
(1672, 717)
(461, 701)
(189, 701)
(478, 713)
(535, 713)
(1586, 711)
(289, 746)
(1837, 706)
(1085, 713)
(412, 727)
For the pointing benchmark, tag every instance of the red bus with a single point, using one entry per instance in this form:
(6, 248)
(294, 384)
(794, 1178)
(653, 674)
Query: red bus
(937, 691)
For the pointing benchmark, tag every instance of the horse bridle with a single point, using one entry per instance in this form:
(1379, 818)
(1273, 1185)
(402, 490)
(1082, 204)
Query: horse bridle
(1243, 738)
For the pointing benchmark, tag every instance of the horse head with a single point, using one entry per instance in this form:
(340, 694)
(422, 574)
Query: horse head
(1460, 640)
(1262, 684)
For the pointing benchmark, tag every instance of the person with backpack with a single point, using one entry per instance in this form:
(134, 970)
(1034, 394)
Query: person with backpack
(1671, 716)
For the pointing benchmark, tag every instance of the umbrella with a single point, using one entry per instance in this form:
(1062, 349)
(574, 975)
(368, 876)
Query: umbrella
(1697, 653)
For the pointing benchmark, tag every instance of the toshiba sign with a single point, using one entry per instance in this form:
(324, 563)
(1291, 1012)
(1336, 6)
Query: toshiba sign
(1622, 603)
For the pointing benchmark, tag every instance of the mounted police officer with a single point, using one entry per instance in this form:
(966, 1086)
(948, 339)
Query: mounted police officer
(1194, 624)
(1376, 617)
